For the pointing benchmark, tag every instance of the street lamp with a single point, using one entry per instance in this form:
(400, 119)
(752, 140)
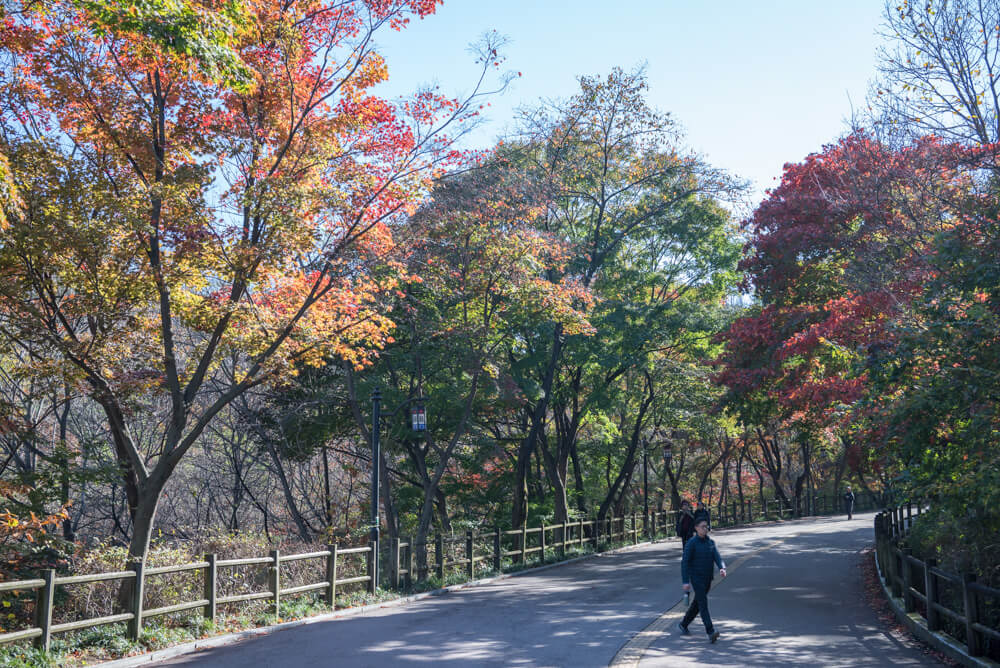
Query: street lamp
(418, 416)
(645, 482)
(418, 424)
(376, 460)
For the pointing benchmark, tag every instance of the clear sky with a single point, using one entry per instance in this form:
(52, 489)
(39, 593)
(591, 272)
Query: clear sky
(753, 84)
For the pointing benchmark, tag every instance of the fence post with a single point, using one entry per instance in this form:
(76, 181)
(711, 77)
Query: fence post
(135, 624)
(43, 609)
(971, 616)
(931, 590)
(908, 602)
(210, 588)
(909, 515)
(409, 562)
(496, 549)
(895, 557)
(541, 542)
(372, 562)
(880, 544)
(635, 529)
(331, 576)
(652, 535)
(394, 562)
(275, 575)
(524, 540)
(439, 556)
(580, 537)
(562, 541)
(471, 567)
(887, 547)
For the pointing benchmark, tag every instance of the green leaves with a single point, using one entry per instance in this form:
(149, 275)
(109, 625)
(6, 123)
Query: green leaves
(182, 27)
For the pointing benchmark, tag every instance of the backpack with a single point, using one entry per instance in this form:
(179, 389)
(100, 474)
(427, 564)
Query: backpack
(702, 514)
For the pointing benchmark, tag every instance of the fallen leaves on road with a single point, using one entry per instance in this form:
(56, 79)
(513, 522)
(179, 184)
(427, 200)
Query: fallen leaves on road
(876, 600)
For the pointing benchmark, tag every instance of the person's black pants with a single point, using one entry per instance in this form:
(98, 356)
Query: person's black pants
(850, 509)
(699, 604)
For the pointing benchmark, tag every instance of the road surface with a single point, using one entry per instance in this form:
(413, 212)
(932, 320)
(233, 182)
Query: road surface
(793, 597)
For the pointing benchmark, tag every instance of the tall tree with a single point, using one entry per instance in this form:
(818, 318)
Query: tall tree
(170, 221)
(481, 259)
(645, 232)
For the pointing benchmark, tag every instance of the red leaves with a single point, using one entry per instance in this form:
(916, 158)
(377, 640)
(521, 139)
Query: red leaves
(837, 252)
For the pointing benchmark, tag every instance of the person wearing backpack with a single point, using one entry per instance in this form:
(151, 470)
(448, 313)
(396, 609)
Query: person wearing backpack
(703, 513)
(685, 523)
(849, 502)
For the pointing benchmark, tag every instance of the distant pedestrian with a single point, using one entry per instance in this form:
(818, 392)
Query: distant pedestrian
(685, 523)
(703, 513)
(849, 502)
(697, 571)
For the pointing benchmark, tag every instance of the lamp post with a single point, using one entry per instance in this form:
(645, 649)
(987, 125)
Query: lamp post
(645, 483)
(376, 460)
(667, 456)
(418, 424)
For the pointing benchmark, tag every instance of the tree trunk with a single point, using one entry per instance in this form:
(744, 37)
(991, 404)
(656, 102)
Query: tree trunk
(385, 492)
(519, 510)
(581, 502)
(300, 522)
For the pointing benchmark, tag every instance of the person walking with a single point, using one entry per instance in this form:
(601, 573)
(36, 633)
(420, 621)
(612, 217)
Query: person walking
(685, 523)
(849, 502)
(697, 571)
(703, 513)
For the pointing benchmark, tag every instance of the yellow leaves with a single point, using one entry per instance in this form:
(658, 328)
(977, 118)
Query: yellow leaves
(372, 71)
(10, 199)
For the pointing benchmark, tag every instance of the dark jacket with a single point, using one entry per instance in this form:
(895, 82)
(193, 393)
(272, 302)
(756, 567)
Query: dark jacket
(685, 525)
(702, 514)
(699, 561)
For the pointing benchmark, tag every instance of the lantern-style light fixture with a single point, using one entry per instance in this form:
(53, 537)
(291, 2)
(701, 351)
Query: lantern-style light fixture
(667, 453)
(418, 416)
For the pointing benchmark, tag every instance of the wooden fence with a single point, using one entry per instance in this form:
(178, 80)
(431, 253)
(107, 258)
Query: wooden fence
(45, 589)
(491, 551)
(950, 603)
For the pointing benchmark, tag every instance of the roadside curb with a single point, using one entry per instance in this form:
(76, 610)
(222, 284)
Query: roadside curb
(917, 625)
(360, 611)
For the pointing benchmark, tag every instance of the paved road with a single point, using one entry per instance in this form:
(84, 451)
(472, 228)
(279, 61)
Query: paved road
(793, 598)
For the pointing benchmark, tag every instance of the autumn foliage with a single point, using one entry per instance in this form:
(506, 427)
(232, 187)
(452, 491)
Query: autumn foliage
(163, 218)
(877, 312)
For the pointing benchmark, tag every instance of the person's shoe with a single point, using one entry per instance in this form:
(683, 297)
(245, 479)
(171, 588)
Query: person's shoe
(713, 636)
(683, 629)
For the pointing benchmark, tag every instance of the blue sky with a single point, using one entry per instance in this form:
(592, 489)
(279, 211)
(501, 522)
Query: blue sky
(753, 84)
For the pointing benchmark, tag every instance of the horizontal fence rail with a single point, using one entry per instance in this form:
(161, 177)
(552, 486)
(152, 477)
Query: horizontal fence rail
(408, 561)
(950, 603)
